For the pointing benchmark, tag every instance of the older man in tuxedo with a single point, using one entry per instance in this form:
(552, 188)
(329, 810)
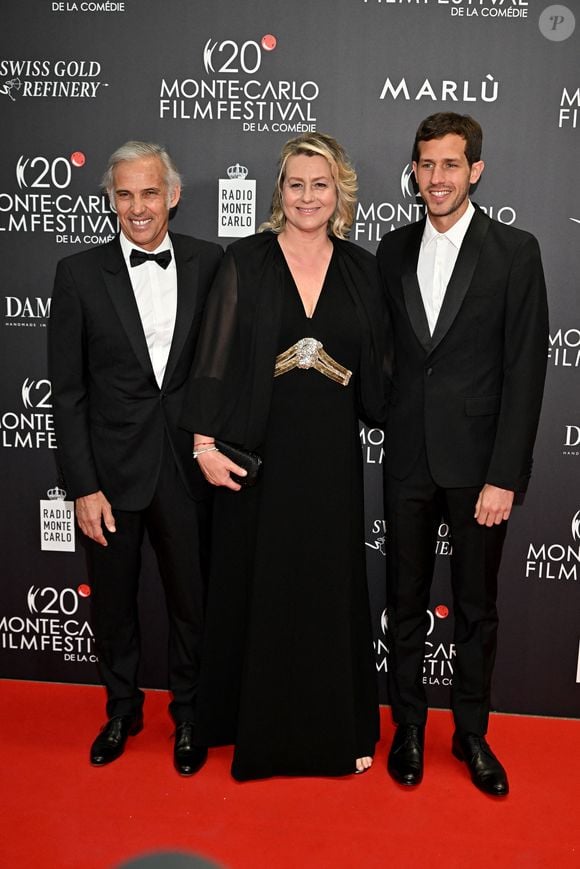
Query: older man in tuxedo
(124, 323)
(468, 304)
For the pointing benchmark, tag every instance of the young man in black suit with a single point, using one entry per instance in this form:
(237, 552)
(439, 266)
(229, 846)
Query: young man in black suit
(468, 303)
(124, 323)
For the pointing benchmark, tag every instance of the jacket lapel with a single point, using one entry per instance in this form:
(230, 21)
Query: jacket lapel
(462, 275)
(411, 290)
(187, 264)
(122, 296)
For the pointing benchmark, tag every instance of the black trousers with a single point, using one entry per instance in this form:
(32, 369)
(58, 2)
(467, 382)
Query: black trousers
(178, 530)
(414, 508)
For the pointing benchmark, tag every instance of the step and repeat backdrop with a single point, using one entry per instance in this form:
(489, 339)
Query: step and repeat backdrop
(223, 85)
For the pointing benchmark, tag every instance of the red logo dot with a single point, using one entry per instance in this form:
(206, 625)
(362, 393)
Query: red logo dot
(441, 611)
(77, 158)
(84, 590)
(269, 42)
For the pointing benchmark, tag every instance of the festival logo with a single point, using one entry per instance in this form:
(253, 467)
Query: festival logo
(480, 9)
(46, 200)
(34, 428)
(569, 109)
(439, 655)
(576, 527)
(374, 219)
(51, 79)
(380, 645)
(564, 348)
(408, 182)
(372, 442)
(236, 203)
(104, 7)
(54, 621)
(236, 85)
(57, 522)
(556, 561)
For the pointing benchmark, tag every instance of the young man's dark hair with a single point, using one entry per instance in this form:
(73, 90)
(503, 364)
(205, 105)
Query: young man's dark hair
(441, 124)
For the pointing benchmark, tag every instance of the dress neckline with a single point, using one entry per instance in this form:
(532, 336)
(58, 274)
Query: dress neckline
(295, 285)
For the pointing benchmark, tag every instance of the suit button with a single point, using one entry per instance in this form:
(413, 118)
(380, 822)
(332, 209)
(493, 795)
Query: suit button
(428, 372)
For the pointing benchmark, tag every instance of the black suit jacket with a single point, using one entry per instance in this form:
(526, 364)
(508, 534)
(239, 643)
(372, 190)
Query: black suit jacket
(110, 414)
(472, 391)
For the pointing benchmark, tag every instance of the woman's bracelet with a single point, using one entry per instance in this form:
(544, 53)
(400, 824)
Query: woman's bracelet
(212, 449)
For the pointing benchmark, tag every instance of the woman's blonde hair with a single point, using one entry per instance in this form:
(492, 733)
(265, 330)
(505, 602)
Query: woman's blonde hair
(341, 170)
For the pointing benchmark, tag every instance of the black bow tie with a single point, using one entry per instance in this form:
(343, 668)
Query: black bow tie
(163, 258)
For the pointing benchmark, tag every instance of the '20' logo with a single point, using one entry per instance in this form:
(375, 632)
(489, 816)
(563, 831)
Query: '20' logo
(42, 173)
(245, 58)
(36, 393)
(49, 601)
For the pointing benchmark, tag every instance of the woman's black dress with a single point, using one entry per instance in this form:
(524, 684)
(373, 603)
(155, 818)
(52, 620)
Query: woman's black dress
(288, 671)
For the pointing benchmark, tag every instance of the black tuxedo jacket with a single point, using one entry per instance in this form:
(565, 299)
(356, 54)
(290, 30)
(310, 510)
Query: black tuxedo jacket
(471, 392)
(111, 416)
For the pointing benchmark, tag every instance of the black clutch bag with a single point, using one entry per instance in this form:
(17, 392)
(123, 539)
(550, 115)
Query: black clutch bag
(250, 462)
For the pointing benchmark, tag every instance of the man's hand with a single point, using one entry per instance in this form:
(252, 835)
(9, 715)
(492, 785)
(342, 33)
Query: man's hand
(494, 505)
(90, 510)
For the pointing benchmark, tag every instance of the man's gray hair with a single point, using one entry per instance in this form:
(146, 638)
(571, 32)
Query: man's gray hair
(137, 151)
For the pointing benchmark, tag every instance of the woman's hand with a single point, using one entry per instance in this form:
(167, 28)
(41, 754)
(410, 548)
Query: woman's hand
(216, 467)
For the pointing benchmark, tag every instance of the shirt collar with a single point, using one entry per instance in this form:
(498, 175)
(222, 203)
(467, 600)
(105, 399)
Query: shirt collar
(456, 233)
(127, 246)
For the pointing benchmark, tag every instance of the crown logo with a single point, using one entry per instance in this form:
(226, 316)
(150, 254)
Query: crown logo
(56, 494)
(237, 171)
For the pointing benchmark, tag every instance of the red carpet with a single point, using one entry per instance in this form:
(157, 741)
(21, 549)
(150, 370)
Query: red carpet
(57, 811)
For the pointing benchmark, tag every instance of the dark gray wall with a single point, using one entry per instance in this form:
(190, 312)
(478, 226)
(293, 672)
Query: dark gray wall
(206, 78)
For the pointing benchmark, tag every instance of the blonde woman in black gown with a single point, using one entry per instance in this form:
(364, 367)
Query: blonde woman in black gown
(290, 357)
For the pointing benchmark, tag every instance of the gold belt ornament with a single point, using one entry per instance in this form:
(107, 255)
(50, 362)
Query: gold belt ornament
(309, 353)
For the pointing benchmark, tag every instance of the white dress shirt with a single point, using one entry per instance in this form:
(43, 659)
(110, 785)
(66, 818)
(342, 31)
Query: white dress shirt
(437, 258)
(155, 291)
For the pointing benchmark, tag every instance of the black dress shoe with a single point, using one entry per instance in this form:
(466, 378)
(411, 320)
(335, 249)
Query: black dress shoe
(110, 743)
(487, 773)
(187, 757)
(406, 755)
